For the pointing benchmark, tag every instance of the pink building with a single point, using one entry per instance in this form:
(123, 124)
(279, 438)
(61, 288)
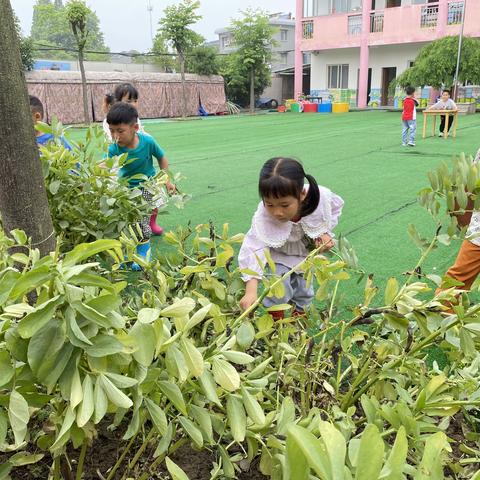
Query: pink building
(363, 45)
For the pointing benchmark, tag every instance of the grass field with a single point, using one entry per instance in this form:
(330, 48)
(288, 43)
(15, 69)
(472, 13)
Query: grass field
(357, 155)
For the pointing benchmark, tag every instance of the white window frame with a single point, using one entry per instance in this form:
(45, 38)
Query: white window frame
(283, 35)
(339, 81)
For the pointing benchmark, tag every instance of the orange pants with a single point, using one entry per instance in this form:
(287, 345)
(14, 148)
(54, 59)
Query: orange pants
(467, 265)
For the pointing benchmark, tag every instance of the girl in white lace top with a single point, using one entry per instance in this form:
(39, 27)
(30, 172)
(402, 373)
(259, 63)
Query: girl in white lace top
(291, 215)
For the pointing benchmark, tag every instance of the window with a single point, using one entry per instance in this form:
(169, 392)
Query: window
(410, 63)
(226, 41)
(337, 76)
(283, 35)
(284, 58)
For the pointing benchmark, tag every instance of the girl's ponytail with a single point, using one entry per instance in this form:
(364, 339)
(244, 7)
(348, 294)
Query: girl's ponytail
(108, 101)
(312, 199)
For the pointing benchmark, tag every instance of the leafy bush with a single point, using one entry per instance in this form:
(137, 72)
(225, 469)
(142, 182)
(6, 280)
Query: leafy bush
(173, 361)
(87, 201)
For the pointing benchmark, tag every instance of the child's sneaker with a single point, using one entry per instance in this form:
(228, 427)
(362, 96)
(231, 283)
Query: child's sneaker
(411, 144)
(404, 144)
(440, 134)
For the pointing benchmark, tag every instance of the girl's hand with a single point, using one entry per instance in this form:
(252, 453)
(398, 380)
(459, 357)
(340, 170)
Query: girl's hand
(171, 188)
(325, 241)
(247, 300)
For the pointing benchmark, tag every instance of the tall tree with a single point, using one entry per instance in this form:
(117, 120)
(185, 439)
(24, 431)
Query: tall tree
(203, 60)
(77, 14)
(26, 46)
(436, 62)
(23, 200)
(253, 38)
(174, 27)
(161, 50)
(50, 27)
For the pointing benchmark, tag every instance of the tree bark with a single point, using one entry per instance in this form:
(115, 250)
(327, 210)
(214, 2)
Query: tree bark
(252, 90)
(23, 199)
(84, 86)
(184, 92)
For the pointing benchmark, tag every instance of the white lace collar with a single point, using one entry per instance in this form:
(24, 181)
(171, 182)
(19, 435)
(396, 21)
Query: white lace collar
(275, 234)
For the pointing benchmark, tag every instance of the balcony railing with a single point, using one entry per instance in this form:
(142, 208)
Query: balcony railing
(429, 16)
(376, 22)
(307, 28)
(354, 24)
(455, 13)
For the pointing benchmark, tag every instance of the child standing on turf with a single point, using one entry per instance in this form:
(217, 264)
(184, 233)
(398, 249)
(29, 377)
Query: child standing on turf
(122, 120)
(409, 118)
(125, 92)
(290, 216)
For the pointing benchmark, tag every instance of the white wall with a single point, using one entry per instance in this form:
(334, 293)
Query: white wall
(379, 57)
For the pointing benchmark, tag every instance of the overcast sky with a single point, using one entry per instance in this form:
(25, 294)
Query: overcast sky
(126, 23)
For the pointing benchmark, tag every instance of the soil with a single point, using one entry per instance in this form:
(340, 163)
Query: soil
(105, 452)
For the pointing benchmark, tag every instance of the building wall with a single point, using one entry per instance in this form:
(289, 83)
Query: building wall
(397, 56)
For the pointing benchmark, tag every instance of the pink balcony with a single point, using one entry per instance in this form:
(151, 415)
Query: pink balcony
(407, 24)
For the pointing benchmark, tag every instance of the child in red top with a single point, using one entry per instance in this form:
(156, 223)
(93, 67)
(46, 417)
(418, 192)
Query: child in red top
(409, 118)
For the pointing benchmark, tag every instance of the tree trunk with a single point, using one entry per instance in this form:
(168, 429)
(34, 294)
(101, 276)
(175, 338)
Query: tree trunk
(252, 90)
(23, 199)
(86, 115)
(184, 92)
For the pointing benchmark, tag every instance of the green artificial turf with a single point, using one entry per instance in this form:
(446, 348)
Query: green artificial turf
(357, 155)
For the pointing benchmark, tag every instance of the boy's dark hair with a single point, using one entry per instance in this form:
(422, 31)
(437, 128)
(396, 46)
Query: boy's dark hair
(410, 90)
(125, 90)
(122, 112)
(447, 91)
(283, 177)
(36, 106)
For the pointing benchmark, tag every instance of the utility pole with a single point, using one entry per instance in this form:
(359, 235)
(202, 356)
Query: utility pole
(459, 53)
(150, 10)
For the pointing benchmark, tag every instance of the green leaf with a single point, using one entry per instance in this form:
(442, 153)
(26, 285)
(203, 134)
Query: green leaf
(336, 449)
(192, 431)
(164, 443)
(148, 315)
(20, 459)
(121, 381)
(240, 358)
(393, 468)
(64, 433)
(225, 375)
(30, 281)
(39, 317)
(6, 368)
(197, 317)
(209, 387)
(253, 408)
(296, 465)
(3, 427)
(192, 356)
(175, 471)
(5, 469)
(100, 402)
(173, 393)
(391, 290)
(87, 250)
(103, 345)
(116, 396)
(370, 454)
(18, 415)
(143, 336)
(87, 406)
(157, 415)
(237, 418)
(431, 466)
(91, 280)
(76, 392)
(180, 308)
(312, 449)
(91, 314)
(245, 335)
(286, 416)
(202, 417)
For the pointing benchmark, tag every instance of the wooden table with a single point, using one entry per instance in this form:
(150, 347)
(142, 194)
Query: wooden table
(434, 114)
